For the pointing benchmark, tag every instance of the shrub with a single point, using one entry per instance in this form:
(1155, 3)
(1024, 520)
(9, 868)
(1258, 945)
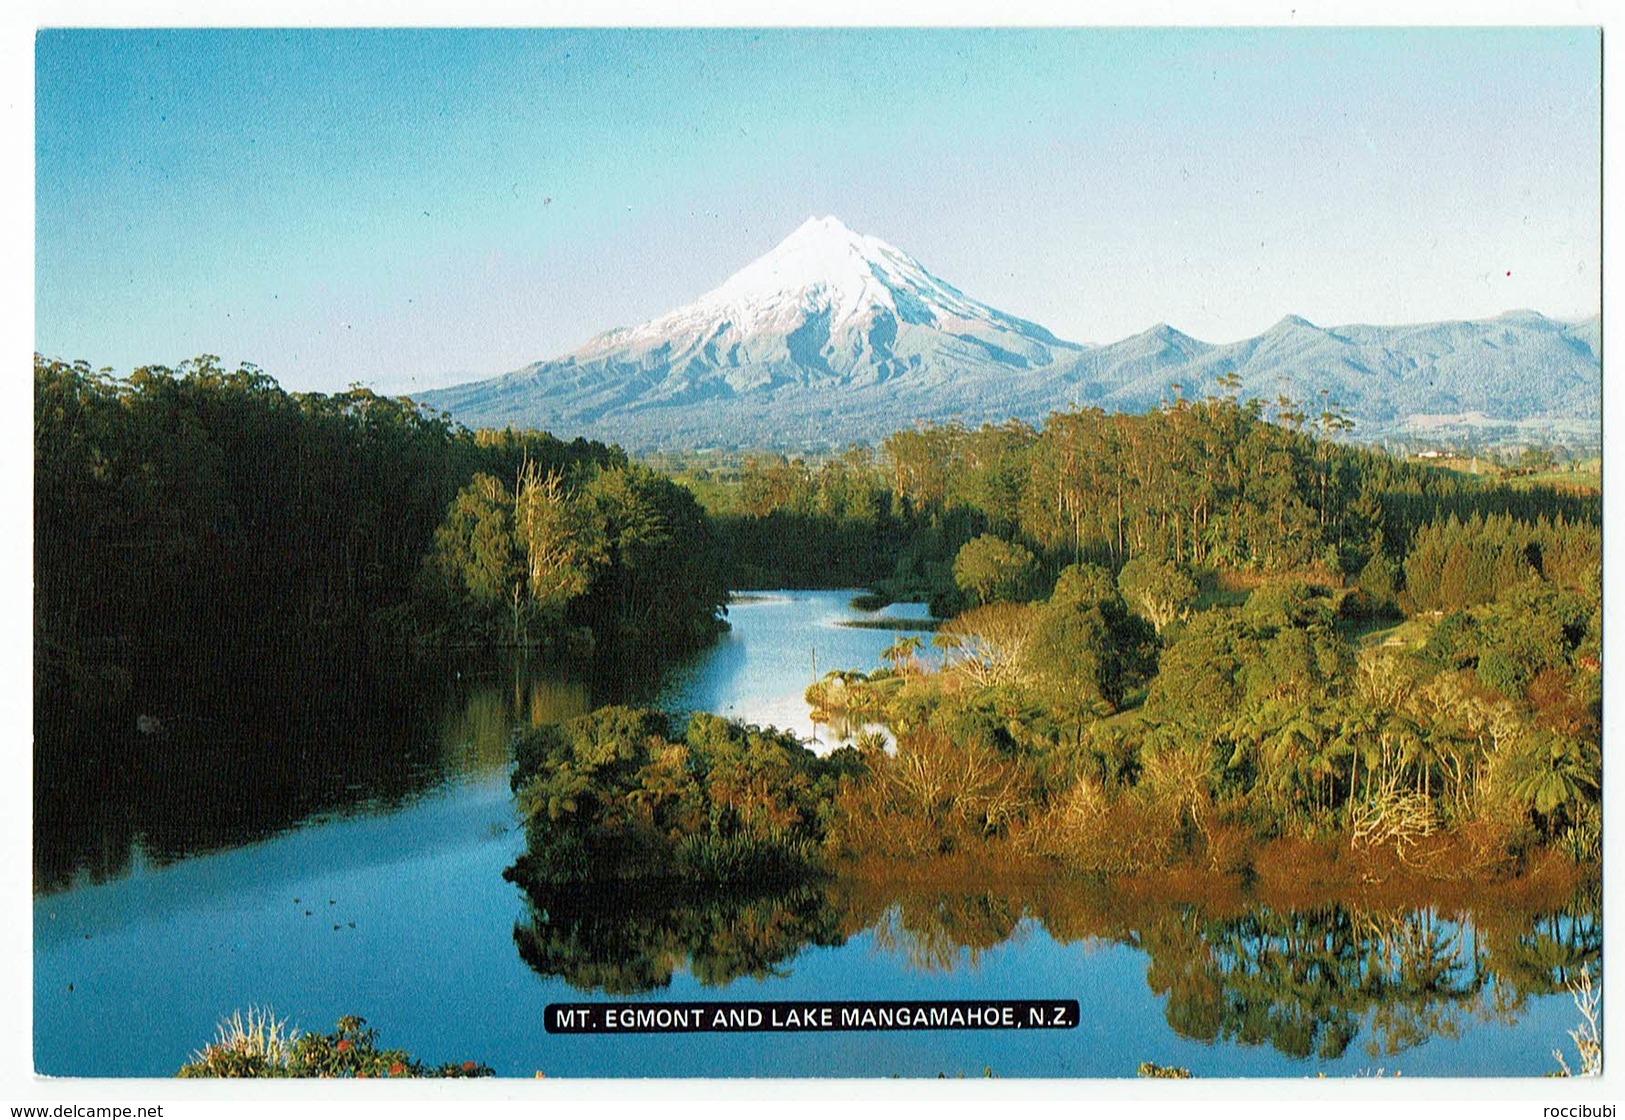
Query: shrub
(1089, 830)
(932, 796)
(1152, 1069)
(260, 1045)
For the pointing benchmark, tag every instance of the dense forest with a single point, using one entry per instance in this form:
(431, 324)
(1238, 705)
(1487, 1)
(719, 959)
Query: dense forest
(246, 599)
(199, 525)
(1176, 638)
(1208, 485)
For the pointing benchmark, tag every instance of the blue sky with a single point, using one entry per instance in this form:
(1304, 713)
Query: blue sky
(405, 208)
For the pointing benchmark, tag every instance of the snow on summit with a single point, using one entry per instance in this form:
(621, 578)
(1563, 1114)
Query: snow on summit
(823, 264)
(824, 272)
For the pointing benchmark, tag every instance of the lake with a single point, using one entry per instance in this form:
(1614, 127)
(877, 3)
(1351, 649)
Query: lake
(365, 877)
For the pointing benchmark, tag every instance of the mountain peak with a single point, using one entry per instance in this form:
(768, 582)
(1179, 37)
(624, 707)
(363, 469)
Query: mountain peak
(1522, 315)
(828, 228)
(833, 335)
(826, 304)
(819, 254)
(828, 275)
(1290, 322)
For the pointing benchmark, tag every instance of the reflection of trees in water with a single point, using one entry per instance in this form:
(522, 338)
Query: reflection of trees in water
(627, 938)
(477, 725)
(937, 932)
(251, 759)
(240, 771)
(1309, 982)
(1543, 955)
(844, 729)
(1304, 982)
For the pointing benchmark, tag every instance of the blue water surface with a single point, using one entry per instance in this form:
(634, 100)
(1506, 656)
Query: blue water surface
(399, 913)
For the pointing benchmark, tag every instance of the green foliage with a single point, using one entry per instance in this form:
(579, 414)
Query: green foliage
(994, 570)
(476, 546)
(1552, 776)
(613, 795)
(1269, 716)
(662, 582)
(1379, 579)
(1533, 629)
(214, 520)
(618, 552)
(1085, 587)
(769, 508)
(1455, 564)
(1199, 681)
(204, 521)
(1290, 605)
(1087, 650)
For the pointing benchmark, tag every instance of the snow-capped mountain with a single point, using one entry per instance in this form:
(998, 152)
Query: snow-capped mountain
(826, 301)
(834, 337)
(830, 336)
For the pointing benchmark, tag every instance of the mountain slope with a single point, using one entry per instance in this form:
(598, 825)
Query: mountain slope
(1514, 367)
(834, 337)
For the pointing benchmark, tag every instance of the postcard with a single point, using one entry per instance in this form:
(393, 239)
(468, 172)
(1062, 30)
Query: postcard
(1065, 553)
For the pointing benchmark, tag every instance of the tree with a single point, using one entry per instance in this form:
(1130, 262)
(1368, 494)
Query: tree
(475, 546)
(661, 586)
(1087, 651)
(1198, 685)
(1085, 586)
(1551, 775)
(994, 570)
(1161, 590)
(900, 654)
(560, 545)
(988, 645)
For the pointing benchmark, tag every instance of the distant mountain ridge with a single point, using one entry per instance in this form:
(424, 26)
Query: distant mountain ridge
(834, 337)
(1516, 366)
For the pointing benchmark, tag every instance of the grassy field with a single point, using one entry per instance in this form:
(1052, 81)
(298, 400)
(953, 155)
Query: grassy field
(1582, 475)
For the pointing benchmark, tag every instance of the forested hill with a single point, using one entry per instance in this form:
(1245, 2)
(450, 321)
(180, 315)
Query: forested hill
(1211, 485)
(199, 526)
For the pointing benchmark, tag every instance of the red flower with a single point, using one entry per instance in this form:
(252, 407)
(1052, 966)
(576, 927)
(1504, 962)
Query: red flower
(396, 1070)
(470, 1067)
(344, 1046)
